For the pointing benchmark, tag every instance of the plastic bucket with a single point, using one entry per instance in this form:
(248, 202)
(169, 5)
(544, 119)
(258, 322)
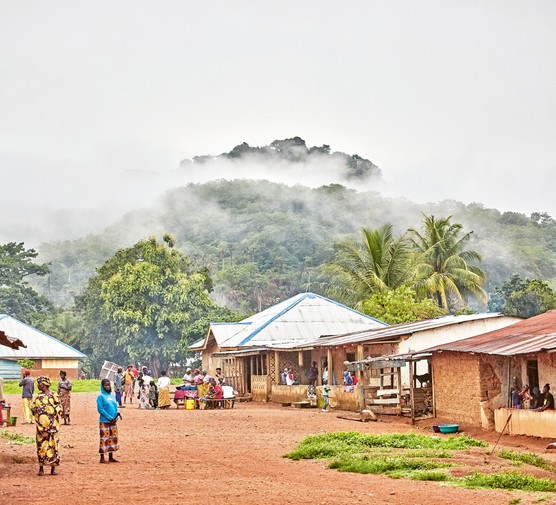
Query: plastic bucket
(13, 421)
(189, 404)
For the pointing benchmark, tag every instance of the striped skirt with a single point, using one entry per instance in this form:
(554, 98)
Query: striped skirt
(108, 437)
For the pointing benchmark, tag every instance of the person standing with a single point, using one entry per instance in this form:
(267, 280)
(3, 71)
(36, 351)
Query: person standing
(548, 399)
(135, 373)
(325, 395)
(64, 392)
(313, 374)
(108, 422)
(46, 409)
(163, 386)
(118, 386)
(1, 401)
(128, 385)
(28, 385)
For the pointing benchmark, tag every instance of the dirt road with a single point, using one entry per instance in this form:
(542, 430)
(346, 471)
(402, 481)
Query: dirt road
(215, 457)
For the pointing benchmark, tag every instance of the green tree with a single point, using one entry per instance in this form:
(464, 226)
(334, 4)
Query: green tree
(445, 268)
(377, 264)
(400, 305)
(17, 297)
(143, 303)
(523, 297)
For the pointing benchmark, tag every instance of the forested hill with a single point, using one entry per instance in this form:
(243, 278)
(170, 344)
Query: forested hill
(263, 241)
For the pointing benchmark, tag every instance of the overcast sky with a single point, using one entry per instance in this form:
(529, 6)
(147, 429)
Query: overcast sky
(450, 99)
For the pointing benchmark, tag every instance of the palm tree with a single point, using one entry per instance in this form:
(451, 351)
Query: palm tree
(444, 267)
(377, 264)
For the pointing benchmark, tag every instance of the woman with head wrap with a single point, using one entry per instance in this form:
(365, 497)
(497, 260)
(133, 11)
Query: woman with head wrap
(64, 388)
(107, 408)
(46, 410)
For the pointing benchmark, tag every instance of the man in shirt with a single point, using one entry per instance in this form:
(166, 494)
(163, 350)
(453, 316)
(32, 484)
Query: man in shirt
(28, 385)
(548, 402)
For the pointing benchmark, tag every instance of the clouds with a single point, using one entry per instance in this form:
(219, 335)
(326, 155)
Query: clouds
(451, 100)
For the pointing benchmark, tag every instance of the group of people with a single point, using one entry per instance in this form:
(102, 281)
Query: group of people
(150, 394)
(525, 398)
(204, 389)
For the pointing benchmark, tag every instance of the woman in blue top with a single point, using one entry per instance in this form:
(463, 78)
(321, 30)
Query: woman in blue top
(108, 411)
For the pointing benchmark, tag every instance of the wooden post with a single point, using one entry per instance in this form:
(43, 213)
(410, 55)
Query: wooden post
(300, 358)
(412, 389)
(330, 369)
(431, 371)
(359, 357)
(399, 377)
(277, 368)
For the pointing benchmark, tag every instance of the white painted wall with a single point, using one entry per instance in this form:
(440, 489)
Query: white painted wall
(429, 338)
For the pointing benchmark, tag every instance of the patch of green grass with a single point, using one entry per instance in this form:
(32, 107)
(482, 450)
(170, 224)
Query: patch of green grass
(515, 501)
(79, 386)
(384, 465)
(527, 458)
(331, 445)
(428, 453)
(438, 476)
(16, 438)
(509, 480)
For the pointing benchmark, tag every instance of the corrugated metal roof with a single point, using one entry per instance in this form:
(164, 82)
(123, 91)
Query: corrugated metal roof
(39, 344)
(302, 318)
(11, 342)
(397, 331)
(532, 335)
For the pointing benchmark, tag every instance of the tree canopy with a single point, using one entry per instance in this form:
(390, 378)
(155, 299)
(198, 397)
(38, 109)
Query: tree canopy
(143, 304)
(17, 297)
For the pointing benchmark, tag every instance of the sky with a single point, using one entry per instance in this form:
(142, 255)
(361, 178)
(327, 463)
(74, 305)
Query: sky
(99, 101)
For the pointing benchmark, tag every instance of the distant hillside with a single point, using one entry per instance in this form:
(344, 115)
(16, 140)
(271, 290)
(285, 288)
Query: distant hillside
(263, 241)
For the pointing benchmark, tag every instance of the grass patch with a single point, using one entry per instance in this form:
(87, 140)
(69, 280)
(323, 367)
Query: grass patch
(16, 438)
(385, 465)
(509, 480)
(438, 476)
(527, 458)
(332, 445)
(79, 386)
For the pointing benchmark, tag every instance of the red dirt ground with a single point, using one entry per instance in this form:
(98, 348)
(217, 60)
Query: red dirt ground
(217, 457)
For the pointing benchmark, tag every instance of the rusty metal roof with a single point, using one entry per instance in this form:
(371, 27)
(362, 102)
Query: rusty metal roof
(11, 342)
(532, 335)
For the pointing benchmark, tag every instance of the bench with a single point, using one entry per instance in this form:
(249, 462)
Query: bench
(223, 403)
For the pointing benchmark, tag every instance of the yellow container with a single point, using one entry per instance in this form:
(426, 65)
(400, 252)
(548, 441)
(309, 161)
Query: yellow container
(189, 404)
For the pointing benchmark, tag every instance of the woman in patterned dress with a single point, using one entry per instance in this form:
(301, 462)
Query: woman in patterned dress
(64, 388)
(46, 410)
(108, 422)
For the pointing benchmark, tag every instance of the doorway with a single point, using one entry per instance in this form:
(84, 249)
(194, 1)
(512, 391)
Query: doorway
(533, 373)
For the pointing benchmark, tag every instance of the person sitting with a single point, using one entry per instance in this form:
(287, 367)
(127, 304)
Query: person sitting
(348, 381)
(516, 398)
(537, 398)
(526, 397)
(284, 376)
(354, 379)
(229, 396)
(289, 378)
(548, 401)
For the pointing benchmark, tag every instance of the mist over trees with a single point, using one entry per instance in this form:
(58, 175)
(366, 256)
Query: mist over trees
(256, 242)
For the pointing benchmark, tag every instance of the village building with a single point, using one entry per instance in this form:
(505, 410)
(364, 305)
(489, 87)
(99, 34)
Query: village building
(49, 354)
(252, 353)
(310, 328)
(473, 378)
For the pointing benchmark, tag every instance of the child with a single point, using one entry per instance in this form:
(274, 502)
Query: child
(325, 393)
(153, 395)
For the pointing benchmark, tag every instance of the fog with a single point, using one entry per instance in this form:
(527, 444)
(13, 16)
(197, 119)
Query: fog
(100, 102)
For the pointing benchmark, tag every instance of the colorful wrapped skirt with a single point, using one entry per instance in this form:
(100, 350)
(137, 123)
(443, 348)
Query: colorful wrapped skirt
(108, 437)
